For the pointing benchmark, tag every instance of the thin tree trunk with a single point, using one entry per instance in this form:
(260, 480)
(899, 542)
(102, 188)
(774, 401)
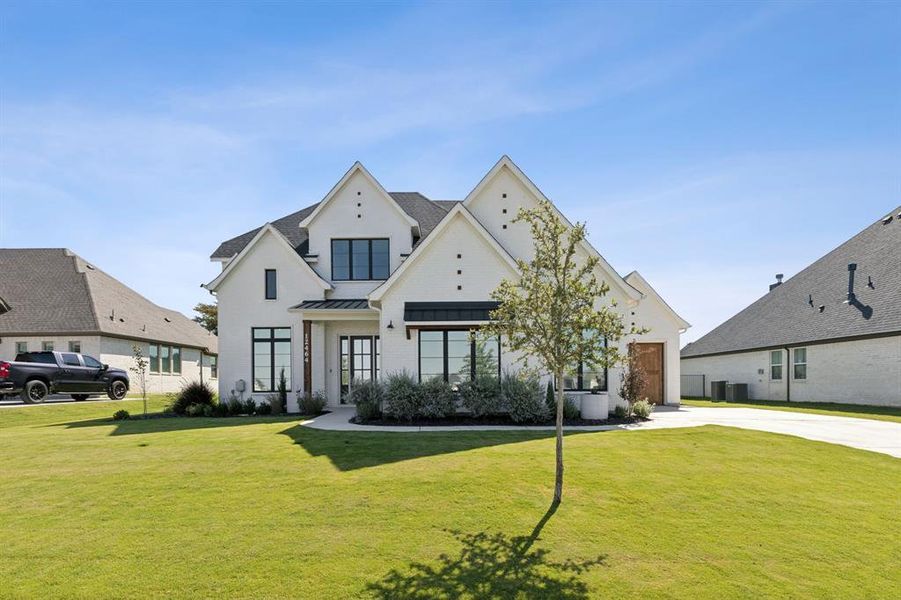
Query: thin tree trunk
(558, 480)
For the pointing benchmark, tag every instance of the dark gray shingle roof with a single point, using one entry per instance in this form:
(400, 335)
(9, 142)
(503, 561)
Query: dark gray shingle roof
(54, 291)
(425, 211)
(335, 304)
(784, 316)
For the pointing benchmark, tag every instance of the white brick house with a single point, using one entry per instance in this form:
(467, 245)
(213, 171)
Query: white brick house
(367, 282)
(831, 333)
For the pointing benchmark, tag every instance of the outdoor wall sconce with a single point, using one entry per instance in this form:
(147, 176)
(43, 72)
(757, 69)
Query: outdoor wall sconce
(390, 324)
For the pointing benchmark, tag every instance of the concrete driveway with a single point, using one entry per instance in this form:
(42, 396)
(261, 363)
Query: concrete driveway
(864, 434)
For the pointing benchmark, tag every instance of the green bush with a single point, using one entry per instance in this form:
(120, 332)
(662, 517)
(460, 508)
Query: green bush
(249, 407)
(642, 409)
(523, 399)
(208, 410)
(121, 415)
(192, 392)
(311, 404)
(620, 411)
(265, 407)
(482, 396)
(221, 409)
(571, 409)
(235, 406)
(194, 410)
(367, 396)
(550, 399)
(403, 397)
(438, 399)
(280, 402)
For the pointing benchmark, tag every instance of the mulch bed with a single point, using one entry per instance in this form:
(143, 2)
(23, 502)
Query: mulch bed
(464, 420)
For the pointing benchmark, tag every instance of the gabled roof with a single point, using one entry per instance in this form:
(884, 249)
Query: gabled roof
(458, 210)
(54, 291)
(426, 212)
(641, 284)
(791, 313)
(357, 168)
(261, 233)
(506, 161)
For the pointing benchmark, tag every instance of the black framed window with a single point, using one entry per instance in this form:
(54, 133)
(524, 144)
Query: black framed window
(214, 366)
(271, 284)
(271, 355)
(360, 259)
(586, 377)
(360, 356)
(457, 355)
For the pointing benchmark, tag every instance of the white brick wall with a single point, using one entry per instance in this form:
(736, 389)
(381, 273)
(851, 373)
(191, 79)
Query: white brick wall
(854, 372)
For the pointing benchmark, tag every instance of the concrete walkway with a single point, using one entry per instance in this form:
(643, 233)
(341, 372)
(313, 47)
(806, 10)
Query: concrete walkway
(864, 434)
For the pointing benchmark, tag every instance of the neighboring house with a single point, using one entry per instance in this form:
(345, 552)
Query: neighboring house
(368, 282)
(55, 300)
(831, 333)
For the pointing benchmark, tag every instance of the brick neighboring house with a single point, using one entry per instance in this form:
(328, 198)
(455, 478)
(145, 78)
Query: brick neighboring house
(368, 282)
(831, 333)
(54, 299)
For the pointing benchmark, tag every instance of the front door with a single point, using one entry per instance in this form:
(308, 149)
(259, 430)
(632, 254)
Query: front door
(359, 361)
(650, 357)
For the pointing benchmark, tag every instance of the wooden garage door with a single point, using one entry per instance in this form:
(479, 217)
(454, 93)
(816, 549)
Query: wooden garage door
(651, 358)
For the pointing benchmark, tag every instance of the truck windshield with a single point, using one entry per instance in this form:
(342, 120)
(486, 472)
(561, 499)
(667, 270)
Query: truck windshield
(36, 357)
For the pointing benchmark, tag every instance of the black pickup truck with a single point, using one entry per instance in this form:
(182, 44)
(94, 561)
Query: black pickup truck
(36, 375)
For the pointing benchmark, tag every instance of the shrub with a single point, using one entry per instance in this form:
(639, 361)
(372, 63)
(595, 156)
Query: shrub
(403, 397)
(194, 410)
(121, 415)
(438, 399)
(367, 396)
(207, 410)
(482, 396)
(280, 402)
(265, 407)
(642, 409)
(221, 409)
(549, 398)
(523, 398)
(571, 409)
(620, 411)
(192, 392)
(311, 404)
(235, 406)
(249, 407)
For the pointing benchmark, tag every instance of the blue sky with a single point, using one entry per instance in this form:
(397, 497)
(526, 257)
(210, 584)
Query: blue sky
(707, 145)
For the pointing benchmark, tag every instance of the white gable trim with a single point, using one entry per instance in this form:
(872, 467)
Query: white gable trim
(458, 210)
(267, 228)
(635, 277)
(358, 168)
(505, 161)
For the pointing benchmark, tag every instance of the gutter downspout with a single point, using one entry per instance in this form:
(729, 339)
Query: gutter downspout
(788, 375)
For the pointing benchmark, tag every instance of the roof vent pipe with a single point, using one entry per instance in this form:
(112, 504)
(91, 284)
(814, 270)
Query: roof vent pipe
(773, 286)
(851, 297)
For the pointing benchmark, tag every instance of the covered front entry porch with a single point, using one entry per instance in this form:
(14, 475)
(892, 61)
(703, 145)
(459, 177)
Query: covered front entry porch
(341, 345)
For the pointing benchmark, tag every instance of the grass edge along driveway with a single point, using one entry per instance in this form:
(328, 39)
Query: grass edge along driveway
(832, 409)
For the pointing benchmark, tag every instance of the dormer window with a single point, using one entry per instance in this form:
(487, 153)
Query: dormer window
(360, 259)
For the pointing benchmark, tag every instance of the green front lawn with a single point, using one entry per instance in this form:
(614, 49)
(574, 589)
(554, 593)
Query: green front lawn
(862, 411)
(264, 508)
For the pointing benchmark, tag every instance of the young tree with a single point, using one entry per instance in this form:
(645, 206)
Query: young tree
(634, 379)
(139, 368)
(554, 312)
(207, 316)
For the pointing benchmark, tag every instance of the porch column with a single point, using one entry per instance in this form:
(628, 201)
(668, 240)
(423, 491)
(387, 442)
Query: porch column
(307, 356)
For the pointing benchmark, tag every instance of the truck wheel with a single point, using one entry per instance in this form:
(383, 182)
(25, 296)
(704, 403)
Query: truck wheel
(79, 397)
(36, 391)
(117, 390)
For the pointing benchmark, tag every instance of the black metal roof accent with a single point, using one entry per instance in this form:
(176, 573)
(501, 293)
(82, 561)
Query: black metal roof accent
(334, 304)
(448, 311)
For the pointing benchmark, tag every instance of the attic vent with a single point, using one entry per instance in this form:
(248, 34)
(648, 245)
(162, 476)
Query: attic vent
(888, 219)
(121, 320)
(167, 319)
(90, 266)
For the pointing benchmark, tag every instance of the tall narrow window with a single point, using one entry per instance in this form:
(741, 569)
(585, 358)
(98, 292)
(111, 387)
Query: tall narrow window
(776, 365)
(360, 259)
(457, 355)
(165, 360)
(176, 360)
(214, 367)
(271, 285)
(799, 363)
(271, 357)
(153, 357)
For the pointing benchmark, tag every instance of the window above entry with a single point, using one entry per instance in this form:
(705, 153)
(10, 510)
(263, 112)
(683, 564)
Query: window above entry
(360, 259)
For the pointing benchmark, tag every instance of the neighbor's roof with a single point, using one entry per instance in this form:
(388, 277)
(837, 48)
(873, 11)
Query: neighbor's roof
(790, 314)
(427, 212)
(54, 291)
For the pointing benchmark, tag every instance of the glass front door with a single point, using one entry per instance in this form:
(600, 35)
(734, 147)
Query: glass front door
(359, 361)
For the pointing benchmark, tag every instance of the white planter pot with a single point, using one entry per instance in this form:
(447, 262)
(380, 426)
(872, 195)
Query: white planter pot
(595, 406)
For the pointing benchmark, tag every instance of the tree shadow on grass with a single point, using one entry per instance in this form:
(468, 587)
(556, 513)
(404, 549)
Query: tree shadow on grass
(359, 450)
(157, 423)
(490, 566)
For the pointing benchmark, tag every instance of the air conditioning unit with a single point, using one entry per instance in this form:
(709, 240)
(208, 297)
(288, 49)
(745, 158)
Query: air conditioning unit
(718, 390)
(736, 392)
